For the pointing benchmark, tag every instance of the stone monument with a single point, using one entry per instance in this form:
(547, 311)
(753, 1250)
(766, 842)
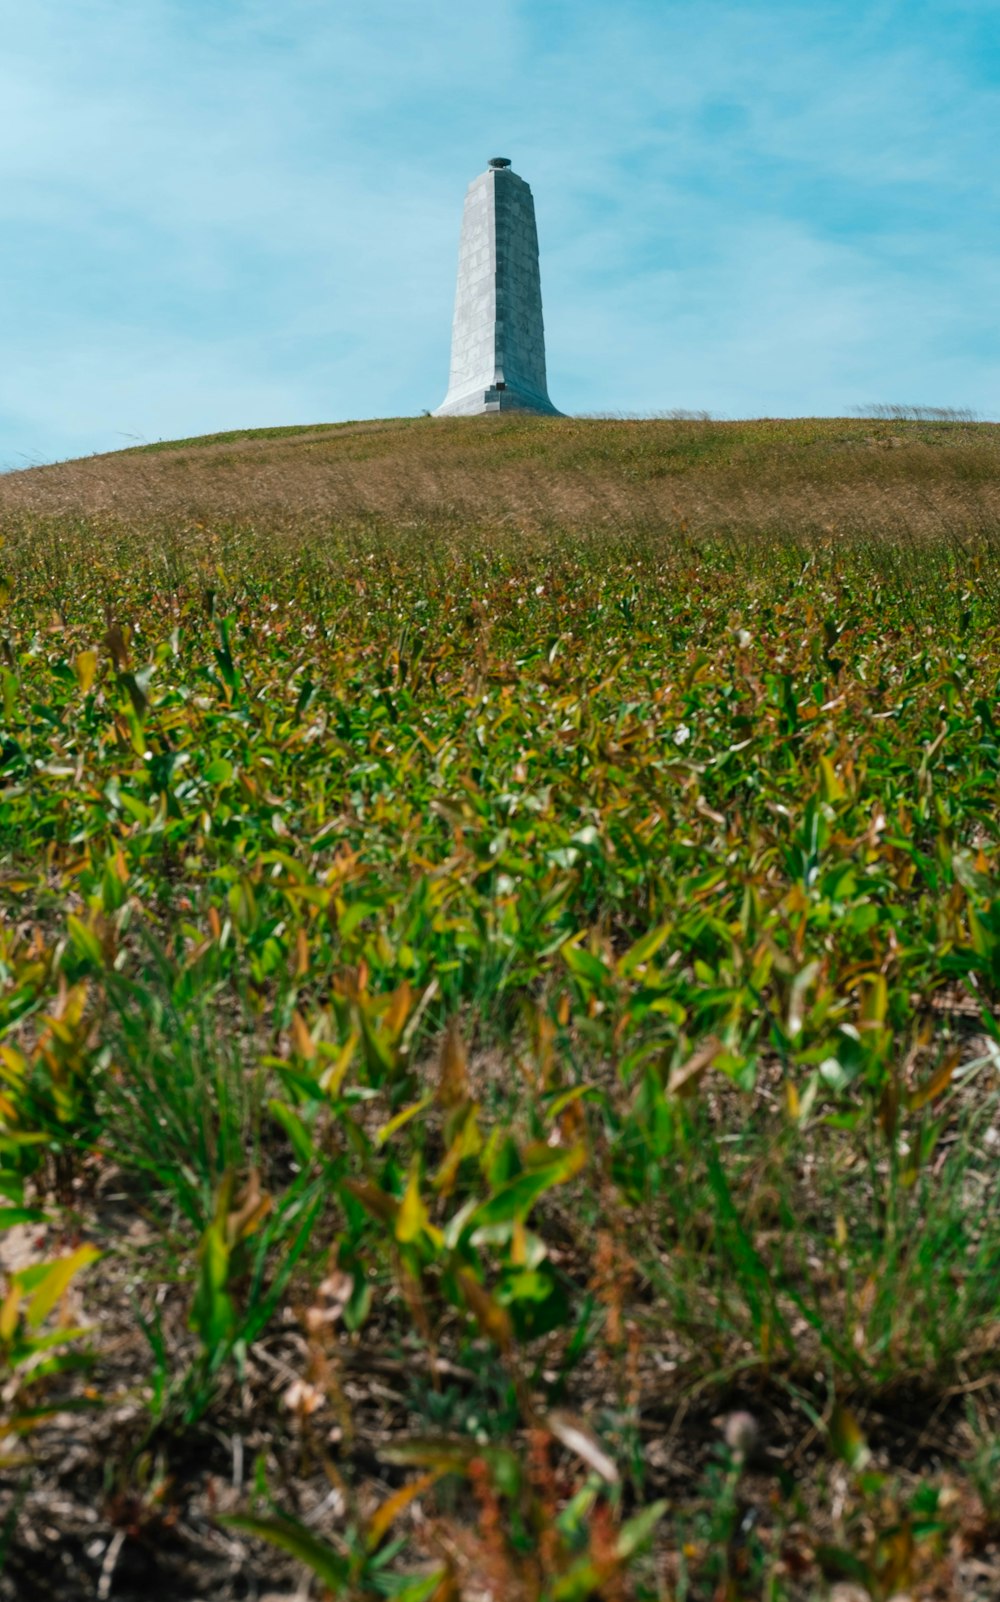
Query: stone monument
(497, 341)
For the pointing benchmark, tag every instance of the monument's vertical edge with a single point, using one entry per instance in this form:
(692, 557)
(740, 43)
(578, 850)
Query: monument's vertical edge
(498, 336)
(475, 294)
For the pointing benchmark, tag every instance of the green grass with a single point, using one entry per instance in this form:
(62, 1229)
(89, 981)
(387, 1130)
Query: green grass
(240, 436)
(535, 987)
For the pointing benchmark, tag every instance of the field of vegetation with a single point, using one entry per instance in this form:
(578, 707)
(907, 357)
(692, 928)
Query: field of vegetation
(500, 1015)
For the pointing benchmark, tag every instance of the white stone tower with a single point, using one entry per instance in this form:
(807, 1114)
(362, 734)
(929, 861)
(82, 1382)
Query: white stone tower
(497, 341)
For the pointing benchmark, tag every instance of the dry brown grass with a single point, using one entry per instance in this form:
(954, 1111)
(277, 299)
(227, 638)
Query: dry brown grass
(537, 473)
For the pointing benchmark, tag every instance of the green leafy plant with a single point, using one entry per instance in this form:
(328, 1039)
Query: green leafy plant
(499, 944)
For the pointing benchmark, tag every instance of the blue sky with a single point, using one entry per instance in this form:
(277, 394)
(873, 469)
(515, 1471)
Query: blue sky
(226, 213)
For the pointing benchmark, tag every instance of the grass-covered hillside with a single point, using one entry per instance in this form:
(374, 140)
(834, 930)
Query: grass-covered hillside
(500, 1015)
(549, 475)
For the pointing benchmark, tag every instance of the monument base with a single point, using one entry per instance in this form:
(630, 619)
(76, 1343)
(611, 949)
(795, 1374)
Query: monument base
(498, 398)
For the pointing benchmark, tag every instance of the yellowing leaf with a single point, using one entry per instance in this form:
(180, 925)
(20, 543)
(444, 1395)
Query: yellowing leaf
(13, 1066)
(401, 1119)
(250, 1209)
(57, 1279)
(847, 1439)
(333, 1077)
(302, 1040)
(85, 668)
(388, 1512)
(492, 1319)
(874, 1001)
(8, 1313)
(399, 1008)
(518, 1244)
(830, 787)
(412, 1219)
(466, 1142)
(938, 1083)
(644, 948)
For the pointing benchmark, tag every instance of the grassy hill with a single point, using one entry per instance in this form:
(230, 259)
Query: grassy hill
(542, 473)
(500, 1013)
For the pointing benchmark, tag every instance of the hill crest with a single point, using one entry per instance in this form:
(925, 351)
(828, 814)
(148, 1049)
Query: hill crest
(536, 472)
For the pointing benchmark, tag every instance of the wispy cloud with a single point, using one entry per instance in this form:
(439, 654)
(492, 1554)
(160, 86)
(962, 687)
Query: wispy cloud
(234, 214)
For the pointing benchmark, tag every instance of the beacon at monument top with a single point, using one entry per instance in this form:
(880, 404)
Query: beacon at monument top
(497, 340)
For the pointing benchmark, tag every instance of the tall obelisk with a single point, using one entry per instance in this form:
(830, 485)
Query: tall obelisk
(497, 341)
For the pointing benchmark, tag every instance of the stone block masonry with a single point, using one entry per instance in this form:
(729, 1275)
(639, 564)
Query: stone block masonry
(498, 339)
